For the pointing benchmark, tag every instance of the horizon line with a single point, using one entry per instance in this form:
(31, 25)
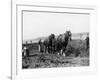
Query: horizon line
(48, 35)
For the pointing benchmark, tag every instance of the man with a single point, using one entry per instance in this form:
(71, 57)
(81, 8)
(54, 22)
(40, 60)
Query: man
(25, 52)
(40, 45)
(87, 42)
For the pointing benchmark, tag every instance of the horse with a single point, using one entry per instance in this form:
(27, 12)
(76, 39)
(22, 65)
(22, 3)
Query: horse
(62, 42)
(58, 44)
(49, 44)
(46, 45)
(51, 38)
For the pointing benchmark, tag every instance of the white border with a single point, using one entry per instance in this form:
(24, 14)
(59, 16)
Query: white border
(17, 72)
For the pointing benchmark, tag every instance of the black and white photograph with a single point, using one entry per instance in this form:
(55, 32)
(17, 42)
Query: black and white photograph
(53, 39)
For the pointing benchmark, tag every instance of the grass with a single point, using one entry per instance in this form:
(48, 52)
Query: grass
(43, 60)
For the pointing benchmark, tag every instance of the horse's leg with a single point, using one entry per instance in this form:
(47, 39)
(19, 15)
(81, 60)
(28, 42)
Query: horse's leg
(61, 52)
(44, 49)
(39, 47)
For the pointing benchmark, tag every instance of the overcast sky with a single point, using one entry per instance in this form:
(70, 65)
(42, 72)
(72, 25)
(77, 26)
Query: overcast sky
(39, 24)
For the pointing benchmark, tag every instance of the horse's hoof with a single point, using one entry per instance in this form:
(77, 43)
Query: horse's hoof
(64, 55)
(58, 53)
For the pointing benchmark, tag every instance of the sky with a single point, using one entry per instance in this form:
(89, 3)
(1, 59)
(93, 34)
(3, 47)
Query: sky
(42, 24)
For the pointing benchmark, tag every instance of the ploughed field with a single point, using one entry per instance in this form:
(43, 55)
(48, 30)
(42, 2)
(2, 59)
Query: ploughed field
(50, 60)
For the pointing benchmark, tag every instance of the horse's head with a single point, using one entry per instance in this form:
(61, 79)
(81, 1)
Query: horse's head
(51, 37)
